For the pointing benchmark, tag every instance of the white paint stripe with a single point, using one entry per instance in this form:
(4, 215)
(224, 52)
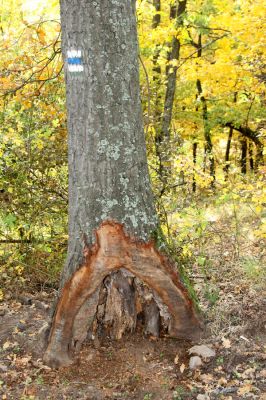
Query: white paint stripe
(74, 53)
(75, 68)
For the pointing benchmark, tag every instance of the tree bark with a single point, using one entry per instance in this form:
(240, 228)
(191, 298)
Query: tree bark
(250, 153)
(206, 126)
(207, 132)
(113, 271)
(227, 152)
(156, 80)
(194, 183)
(243, 160)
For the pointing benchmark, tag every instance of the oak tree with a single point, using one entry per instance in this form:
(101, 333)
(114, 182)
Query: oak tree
(114, 275)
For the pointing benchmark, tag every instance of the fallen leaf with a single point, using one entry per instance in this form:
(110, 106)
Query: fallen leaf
(6, 345)
(226, 343)
(244, 389)
(248, 373)
(263, 373)
(23, 360)
(176, 359)
(207, 378)
(182, 368)
(222, 381)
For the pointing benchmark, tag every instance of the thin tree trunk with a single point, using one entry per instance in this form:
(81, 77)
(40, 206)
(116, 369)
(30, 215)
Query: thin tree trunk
(207, 132)
(227, 152)
(243, 161)
(162, 138)
(251, 159)
(176, 12)
(156, 74)
(206, 126)
(113, 271)
(194, 184)
(157, 16)
(252, 135)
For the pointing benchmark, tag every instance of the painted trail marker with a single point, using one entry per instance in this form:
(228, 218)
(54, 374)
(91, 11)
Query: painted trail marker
(74, 60)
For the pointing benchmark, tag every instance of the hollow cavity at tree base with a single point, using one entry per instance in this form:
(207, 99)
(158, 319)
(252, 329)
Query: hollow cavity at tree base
(118, 260)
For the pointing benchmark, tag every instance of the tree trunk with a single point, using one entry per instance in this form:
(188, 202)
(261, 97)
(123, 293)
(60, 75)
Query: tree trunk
(252, 135)
(206, 126)
(194, 183)
(157, 84)
(162, 139)
(113, 271)
(251, 159)
(207, 132)
(244, 150)
(227, 152)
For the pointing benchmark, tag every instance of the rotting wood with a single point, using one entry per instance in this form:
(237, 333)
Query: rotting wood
(112, 251)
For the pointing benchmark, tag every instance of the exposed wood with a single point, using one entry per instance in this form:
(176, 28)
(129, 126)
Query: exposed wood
(112, 251)
(152, 319)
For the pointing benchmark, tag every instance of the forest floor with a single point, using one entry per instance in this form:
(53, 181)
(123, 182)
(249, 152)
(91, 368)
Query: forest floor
(232, 295)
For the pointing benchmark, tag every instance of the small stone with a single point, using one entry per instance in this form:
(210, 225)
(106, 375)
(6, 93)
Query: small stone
(3, 368)
(203, 397)
(21, 327)
(42, 306)
(43, 329)
(24, 300)
(195, 362)
(202, 351)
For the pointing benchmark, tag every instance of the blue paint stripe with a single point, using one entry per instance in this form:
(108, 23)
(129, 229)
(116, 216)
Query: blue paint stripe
(74, 61)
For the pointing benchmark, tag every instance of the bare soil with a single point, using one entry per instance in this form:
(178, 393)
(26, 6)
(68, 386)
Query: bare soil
(136, 367)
